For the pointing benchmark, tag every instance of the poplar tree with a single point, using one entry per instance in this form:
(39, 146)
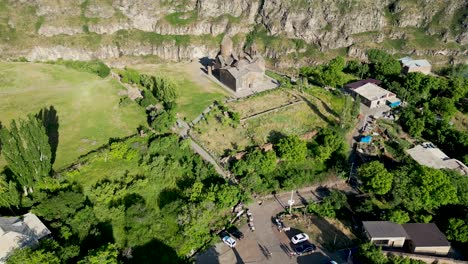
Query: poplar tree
(27, 151)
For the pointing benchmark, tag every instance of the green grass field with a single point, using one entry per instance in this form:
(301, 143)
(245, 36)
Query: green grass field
(87, 106)
(196, 91)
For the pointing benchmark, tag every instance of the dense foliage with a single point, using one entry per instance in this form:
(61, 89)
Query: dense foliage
(292, 162)
(26, 149)
(164, 192)
(330, 74)
(329, 205)
(159, 98)
(94, 66)
(370, 254)
(375, 177)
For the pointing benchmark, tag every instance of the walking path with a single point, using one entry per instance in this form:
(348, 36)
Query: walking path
(184, 133)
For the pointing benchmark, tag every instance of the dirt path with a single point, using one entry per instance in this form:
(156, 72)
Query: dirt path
(184, 133)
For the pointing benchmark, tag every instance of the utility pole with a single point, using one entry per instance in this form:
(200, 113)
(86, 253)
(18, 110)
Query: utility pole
(291, 202)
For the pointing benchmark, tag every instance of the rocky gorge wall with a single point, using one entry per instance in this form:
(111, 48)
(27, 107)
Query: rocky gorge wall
(187, 29)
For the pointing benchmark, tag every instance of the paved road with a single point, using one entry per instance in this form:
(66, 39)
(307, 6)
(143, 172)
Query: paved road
(266, 238)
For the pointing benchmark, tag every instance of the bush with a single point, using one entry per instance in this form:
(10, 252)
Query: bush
(95, 66)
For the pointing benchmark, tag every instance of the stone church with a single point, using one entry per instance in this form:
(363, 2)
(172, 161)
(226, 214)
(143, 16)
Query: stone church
(238, 72)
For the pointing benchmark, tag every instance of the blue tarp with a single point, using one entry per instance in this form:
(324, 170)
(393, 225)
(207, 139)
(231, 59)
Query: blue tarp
(394, 104)
(366, 139)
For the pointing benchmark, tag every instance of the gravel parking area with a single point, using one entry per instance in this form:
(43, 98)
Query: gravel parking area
(266, 244)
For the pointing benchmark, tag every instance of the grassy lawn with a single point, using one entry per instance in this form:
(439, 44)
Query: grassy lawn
(319, 109)
(87, 106)
(196, 91)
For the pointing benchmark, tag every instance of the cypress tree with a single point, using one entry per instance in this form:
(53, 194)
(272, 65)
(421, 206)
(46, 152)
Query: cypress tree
(27, 151)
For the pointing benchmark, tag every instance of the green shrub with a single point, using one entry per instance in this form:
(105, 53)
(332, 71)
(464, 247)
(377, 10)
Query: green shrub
(95, 66)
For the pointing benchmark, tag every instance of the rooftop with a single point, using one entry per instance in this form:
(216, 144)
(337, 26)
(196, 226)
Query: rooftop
(360, 83)
(409, 62)
(372, 92)
(378, 229)
(244, 69)
(425, 235)
(429, 155)
(18, 232)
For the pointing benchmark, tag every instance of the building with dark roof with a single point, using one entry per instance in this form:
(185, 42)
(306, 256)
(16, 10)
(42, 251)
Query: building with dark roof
(360, 83)
(385, 233)
(426, 238)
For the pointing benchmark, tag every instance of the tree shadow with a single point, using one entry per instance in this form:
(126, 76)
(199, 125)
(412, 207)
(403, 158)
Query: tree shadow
(238, 257)
(275, 136)
(156, 251)
(331, 237)
(168, 195)
(327, 108)
(209, 256)
(316, 257)
(315, 109)
(50, 120)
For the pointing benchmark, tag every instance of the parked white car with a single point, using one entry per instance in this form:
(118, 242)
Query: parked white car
(231, 242)
(299, 238)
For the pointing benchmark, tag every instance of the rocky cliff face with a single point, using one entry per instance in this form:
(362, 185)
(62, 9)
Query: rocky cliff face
(186, 29)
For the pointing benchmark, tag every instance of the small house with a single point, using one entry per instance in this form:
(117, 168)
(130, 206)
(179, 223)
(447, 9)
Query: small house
(371, 94)
(427, 239)
(385, 233)
(19, 232)
(410, 65)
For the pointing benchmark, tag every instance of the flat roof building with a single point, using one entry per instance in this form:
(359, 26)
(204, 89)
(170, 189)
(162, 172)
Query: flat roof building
(410, 65)
(429, 155)
(426, 238)
(385, 233)
(371, 94)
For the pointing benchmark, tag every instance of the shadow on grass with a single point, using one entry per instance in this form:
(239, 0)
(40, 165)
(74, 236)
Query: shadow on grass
(315, 109)
(50, 120)
(331, 237)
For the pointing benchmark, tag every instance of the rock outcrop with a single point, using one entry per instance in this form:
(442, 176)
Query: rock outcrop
(185, 29)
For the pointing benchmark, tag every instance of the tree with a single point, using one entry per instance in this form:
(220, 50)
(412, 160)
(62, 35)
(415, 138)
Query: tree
(163, 120)
(384, 64)
(165, 90)
(107, 254)
(256, 162)
(27, 255)
(27, 151)
(330, 204)
(376, 177)
(457, 230)
(292, 148)
(398, 216)
(328, 142)
(421, 188)
(370, 254)
(9, 195)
